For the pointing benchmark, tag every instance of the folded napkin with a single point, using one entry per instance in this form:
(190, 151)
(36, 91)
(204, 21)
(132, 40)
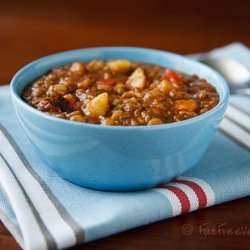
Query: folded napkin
(43, 211)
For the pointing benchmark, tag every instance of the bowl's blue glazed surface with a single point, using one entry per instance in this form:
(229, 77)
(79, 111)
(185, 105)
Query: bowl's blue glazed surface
(118, 158)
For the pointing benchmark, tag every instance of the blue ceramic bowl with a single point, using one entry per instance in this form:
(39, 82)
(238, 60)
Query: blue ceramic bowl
(112, 157)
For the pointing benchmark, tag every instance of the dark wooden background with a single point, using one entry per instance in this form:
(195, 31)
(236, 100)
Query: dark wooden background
(31, 29)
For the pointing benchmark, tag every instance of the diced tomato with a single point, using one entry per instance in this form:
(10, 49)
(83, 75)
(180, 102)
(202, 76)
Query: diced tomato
(72, 103)
(53, 108)
(106, 82)
(59, 103)
(173, 77)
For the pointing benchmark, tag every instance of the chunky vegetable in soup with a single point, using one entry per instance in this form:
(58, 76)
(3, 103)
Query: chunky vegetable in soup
(120, 93)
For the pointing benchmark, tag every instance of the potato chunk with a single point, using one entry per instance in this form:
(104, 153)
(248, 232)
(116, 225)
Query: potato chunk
(119, 66)
(165, 86)
(98, 106)
(77, 67)
(77, 118)
(137, 79)
(155, 121)
(84, 84)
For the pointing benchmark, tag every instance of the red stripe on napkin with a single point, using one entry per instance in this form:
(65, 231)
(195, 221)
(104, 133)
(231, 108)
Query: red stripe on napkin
(201, 195)
(185, 203)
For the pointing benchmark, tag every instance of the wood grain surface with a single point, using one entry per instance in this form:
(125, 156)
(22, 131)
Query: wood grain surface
(32, 29)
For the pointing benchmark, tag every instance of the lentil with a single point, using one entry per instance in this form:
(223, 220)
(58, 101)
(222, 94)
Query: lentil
(120, 93)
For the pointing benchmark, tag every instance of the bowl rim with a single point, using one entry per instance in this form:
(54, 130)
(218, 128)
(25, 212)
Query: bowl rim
(15, 96)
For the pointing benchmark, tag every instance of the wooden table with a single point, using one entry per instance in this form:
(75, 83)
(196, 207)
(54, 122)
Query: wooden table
(31, 29)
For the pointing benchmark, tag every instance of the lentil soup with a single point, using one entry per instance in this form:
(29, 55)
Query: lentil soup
(120, 93)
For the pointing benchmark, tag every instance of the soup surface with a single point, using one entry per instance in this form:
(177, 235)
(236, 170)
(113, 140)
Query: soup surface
(120, 93)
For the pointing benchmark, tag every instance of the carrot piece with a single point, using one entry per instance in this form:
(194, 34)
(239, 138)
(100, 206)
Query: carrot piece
(106, 82)
(185, 105)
